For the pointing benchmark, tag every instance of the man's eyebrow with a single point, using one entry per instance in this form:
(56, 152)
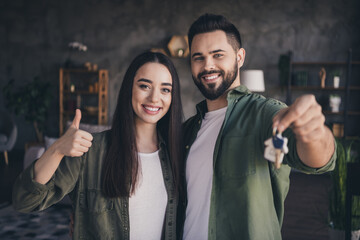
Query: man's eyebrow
(217, 50)
(211, 52)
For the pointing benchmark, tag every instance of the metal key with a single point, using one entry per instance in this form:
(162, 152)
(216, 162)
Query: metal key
(275, 148)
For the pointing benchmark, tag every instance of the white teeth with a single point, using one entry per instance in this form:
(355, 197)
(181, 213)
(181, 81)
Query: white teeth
(211, 77)
(152, 109)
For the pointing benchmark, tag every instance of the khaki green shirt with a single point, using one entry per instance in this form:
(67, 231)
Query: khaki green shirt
(96, 217)
(248, 193)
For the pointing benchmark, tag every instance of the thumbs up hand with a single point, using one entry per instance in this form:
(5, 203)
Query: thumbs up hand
(75, 142)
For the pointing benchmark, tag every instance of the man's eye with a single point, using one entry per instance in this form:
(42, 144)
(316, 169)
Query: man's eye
(217, 55)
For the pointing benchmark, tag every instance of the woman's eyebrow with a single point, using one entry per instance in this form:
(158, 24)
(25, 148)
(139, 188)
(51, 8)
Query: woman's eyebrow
(144, 80)
(149, 81)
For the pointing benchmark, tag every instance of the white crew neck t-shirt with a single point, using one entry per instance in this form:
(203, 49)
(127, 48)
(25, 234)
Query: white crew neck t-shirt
(199, 174)
(148, 205)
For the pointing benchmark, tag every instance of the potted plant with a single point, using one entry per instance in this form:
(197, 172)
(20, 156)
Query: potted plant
(336, 77)
(337, 194)
(32, 101)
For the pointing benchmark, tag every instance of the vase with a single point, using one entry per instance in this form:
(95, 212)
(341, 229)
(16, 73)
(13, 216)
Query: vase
(336, 81)
(334, 103)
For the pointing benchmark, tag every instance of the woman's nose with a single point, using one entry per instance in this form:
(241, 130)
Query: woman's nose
(155, 95)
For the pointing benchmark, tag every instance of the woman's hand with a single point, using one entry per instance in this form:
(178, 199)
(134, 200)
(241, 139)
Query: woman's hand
(74, 143)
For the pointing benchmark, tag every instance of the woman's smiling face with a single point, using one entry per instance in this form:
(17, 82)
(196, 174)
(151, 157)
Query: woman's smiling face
(151, 93)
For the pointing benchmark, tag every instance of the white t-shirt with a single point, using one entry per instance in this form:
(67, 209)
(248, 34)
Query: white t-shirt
(199, 174)
(147, 207)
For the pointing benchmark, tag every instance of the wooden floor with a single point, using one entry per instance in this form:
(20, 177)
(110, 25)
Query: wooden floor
(306, 206)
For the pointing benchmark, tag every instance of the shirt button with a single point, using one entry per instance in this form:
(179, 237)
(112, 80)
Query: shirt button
(236, 100)
(187, 147)
(199, 121)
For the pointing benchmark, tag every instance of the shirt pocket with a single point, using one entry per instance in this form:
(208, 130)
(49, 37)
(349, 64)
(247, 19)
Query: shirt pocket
(97, 215)
(93, 201)
(237, 157)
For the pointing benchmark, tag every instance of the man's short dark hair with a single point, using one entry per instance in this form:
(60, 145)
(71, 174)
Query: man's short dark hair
(210, 23)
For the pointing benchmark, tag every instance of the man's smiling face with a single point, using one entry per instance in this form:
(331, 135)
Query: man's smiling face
(214, 64)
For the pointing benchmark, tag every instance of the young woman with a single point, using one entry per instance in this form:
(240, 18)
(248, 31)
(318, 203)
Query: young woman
(123, 182)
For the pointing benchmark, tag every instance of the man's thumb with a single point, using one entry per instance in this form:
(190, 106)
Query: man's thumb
(77, 118)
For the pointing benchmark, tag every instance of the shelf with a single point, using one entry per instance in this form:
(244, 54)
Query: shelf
(318, 63)
(352, 113)
(313, 88)
(318, 88)
(79, 70)
(83, 112)
(333, 113)
(83, 92)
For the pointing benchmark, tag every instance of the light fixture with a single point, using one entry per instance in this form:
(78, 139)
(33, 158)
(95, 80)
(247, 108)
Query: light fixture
(178, 46)
(253, 80)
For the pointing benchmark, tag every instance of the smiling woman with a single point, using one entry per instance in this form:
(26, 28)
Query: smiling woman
(125, 177)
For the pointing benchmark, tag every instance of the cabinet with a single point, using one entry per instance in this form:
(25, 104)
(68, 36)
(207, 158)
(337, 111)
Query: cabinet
(86, 90)
(304, 77)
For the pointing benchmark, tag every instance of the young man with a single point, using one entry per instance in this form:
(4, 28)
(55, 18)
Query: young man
(232, 191)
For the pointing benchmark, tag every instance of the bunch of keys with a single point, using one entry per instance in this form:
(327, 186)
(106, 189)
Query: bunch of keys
(276, 148)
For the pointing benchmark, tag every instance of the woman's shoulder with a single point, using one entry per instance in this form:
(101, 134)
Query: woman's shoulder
(101, 137)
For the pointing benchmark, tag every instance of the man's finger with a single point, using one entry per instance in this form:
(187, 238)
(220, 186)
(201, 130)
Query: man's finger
(77, 118)
(296, 110)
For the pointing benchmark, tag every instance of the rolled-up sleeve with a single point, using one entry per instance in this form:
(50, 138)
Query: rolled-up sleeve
(29, 195)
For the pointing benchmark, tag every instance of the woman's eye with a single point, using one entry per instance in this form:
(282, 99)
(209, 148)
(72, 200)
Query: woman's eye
(166, 90)
(143, 86)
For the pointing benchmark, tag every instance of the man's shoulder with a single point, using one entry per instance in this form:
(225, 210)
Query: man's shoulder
(257, 102)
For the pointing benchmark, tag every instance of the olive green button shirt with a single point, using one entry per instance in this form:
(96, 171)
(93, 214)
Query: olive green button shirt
(248, 193)
(95, 216)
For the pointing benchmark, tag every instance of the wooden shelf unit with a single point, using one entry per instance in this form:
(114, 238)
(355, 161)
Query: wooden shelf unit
(349, 115)
(86, 90)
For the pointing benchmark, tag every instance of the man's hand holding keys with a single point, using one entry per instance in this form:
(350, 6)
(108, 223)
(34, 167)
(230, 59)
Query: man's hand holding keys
(314, 141)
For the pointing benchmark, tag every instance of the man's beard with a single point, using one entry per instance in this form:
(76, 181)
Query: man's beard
(211, 92)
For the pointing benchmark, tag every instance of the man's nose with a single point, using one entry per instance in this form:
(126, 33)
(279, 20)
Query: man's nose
(209, 64)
